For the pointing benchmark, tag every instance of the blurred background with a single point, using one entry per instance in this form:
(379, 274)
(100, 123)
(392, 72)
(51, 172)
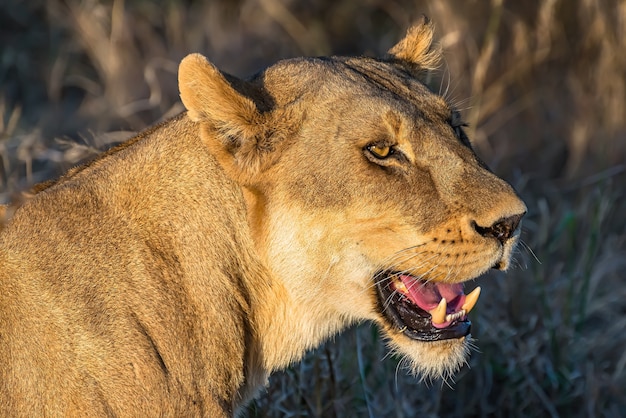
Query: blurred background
(542, 85)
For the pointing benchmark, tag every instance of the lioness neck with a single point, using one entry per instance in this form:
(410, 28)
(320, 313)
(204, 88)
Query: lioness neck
(286, 325)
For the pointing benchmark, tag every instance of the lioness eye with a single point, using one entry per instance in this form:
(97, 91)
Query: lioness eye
(379, 151)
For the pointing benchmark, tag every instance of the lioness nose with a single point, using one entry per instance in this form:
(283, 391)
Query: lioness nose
(502, 229)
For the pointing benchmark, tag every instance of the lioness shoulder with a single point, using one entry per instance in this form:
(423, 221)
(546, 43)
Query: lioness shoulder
(173, 274)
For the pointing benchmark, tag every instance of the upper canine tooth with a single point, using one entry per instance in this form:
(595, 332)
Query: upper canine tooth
(470, 300)
(439, 313)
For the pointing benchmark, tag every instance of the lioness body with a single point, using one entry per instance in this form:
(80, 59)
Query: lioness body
(171, 276)
(118, 304)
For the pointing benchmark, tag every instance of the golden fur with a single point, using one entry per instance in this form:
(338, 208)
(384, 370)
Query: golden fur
(173, 274)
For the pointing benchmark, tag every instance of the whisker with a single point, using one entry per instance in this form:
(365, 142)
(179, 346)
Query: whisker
(449, 82)
(409, 270)
(396, 259)
(521, 241)
(443, 77)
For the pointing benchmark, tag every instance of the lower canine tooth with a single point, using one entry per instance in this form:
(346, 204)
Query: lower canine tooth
(439, 313)
(470, 300)
(400, 287)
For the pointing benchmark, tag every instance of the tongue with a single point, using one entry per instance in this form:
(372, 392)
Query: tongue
(427, 295)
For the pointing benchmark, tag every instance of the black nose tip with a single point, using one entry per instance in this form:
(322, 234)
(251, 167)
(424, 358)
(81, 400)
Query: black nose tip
(501, 230)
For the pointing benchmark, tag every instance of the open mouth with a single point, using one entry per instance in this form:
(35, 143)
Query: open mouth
(425, 311)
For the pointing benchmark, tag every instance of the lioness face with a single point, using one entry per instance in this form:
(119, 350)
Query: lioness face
(381, 201)
(365, 197)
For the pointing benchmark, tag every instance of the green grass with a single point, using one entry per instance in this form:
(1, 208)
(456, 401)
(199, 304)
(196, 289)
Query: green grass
(543, 85)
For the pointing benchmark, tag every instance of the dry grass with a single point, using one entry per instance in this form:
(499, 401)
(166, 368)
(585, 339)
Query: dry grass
(543, 85)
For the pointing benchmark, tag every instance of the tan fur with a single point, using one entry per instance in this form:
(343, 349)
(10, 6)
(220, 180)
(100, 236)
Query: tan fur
(172, 275)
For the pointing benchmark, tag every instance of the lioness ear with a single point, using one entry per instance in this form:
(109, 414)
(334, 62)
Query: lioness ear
(417, 48)
(232, 126)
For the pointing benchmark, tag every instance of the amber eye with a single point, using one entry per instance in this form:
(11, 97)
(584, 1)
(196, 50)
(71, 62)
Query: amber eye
(380, 151)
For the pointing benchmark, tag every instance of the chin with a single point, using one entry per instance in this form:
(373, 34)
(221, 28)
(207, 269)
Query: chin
(430, 360)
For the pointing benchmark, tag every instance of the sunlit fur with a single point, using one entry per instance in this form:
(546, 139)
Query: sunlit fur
(172, 275)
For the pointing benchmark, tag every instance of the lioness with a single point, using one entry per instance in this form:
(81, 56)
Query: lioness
(173, 274)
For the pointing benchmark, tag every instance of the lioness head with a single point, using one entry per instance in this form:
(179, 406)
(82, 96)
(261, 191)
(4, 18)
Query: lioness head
(364, 196)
